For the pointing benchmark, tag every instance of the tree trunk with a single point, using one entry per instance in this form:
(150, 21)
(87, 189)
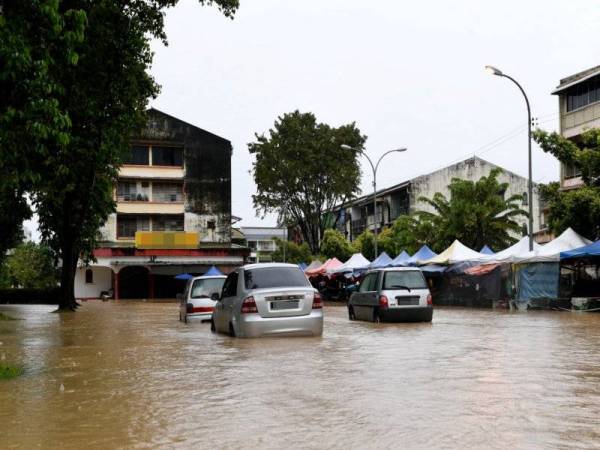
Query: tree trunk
(67, 302)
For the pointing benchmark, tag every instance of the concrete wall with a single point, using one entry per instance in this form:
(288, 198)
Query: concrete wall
(471, 169)
(102, 282)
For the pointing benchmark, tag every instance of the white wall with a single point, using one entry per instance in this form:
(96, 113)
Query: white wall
(102, 282)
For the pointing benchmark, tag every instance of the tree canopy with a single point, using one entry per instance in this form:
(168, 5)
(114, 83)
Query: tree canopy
(294, 253)
(301, 171)
(30, 266)
(578, 208)
(336, 245)
(75, 85)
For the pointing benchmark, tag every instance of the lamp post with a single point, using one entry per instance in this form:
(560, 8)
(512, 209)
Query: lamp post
(494, 71)
(374, 167)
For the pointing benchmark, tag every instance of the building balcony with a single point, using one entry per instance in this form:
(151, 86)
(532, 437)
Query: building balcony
(575, 122)
(143, 207)
(155, 172)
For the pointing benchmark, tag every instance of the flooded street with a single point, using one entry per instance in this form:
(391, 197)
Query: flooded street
(135, 377)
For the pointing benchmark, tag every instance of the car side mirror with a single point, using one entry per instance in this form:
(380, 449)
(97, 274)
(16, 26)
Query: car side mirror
(215, 296)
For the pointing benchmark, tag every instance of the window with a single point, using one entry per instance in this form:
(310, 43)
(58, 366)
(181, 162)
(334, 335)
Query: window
(138, 155)
(89, 276)
(167, 223)
(206, 287)
(128, 225)
(571, 171)
(210, 224)
(167, 156)
(411, 279)
(524, 229)
(230, 286)
(127, 191)
(273, 277)
(583, 94)
(369, 283)
(167, 192)
(525, 199)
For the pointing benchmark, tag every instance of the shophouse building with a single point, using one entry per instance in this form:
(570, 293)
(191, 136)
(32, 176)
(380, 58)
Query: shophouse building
(173, 214)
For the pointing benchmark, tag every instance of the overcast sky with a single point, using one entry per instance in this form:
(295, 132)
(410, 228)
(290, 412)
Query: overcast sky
(409, 73)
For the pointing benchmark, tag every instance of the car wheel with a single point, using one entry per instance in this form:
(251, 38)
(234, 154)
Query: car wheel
(212, 326)
(231, 330)
(351, 315)
(375, 316)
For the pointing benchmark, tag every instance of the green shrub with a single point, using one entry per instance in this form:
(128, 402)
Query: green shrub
(7, 371)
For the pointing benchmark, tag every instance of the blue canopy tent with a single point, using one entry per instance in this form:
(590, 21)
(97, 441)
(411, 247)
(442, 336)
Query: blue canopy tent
(383, 260)
(423, 254)
(184, 276)
(401, 259)
(433, 269)
(587, 251)
(486, 250)
(213, 271)
(303, 266)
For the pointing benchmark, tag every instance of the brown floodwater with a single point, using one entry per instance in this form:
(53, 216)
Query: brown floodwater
(135, 377)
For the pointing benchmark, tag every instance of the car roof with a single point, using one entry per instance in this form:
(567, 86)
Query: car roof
(207, 277)
(396, 269)
(265, 265)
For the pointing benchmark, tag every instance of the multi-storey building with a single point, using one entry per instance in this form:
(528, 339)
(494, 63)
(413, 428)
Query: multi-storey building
(579, 107)
(358, 215)
(173, 214)
(261, 241)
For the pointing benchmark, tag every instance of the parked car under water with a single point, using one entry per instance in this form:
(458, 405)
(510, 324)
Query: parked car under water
(268, 299)
(199, 297)
(392, 295)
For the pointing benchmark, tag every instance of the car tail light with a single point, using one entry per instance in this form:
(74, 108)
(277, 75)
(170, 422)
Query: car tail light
(189, 308)
(429, 299)
(383, 301)
(249, 306)
(317, 301)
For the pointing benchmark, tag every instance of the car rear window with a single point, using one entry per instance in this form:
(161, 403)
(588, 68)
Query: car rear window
(411, 279)
(206, 287)
(271, 277)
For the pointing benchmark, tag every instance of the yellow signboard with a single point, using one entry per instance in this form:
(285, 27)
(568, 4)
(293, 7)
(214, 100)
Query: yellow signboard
(166, 239)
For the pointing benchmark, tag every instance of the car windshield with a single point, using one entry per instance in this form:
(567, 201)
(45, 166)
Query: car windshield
(206, 287)
(411, 279)
(272, 277)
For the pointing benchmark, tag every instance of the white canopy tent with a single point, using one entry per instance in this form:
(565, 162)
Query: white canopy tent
(508, 254)
(356, 262)
(550, 252)
(457, 252)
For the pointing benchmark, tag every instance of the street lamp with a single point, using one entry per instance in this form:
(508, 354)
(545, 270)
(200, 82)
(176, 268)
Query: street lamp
(495, 71)
(374, 167)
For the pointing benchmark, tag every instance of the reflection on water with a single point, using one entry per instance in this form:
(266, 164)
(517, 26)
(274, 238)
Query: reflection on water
(134, 377)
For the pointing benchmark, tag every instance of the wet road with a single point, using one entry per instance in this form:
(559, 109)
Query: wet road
(134, 377)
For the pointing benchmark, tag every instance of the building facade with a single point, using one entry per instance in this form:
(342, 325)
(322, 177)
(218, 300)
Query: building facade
(261, 241)
(579, 108)
(404, 198)
(173, 214)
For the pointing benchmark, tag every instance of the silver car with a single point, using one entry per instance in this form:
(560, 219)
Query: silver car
(392, 295)
(268, 299)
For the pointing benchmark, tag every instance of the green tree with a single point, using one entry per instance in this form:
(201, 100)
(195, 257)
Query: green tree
(408, 233)
(294, 253)
(31, 266)
(335, 245)
(476, 214)
(365, 244)
(578, 208)
(93, 90)
(301, 171)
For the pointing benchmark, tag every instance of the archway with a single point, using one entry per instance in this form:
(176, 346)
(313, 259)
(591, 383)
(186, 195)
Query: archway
(133, 282)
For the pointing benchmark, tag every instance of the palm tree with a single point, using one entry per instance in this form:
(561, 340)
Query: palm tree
(476, 213)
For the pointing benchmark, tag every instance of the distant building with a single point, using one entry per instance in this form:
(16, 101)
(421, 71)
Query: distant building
(173, 214)
(579, 106)
(358, 215)
(261, 241)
